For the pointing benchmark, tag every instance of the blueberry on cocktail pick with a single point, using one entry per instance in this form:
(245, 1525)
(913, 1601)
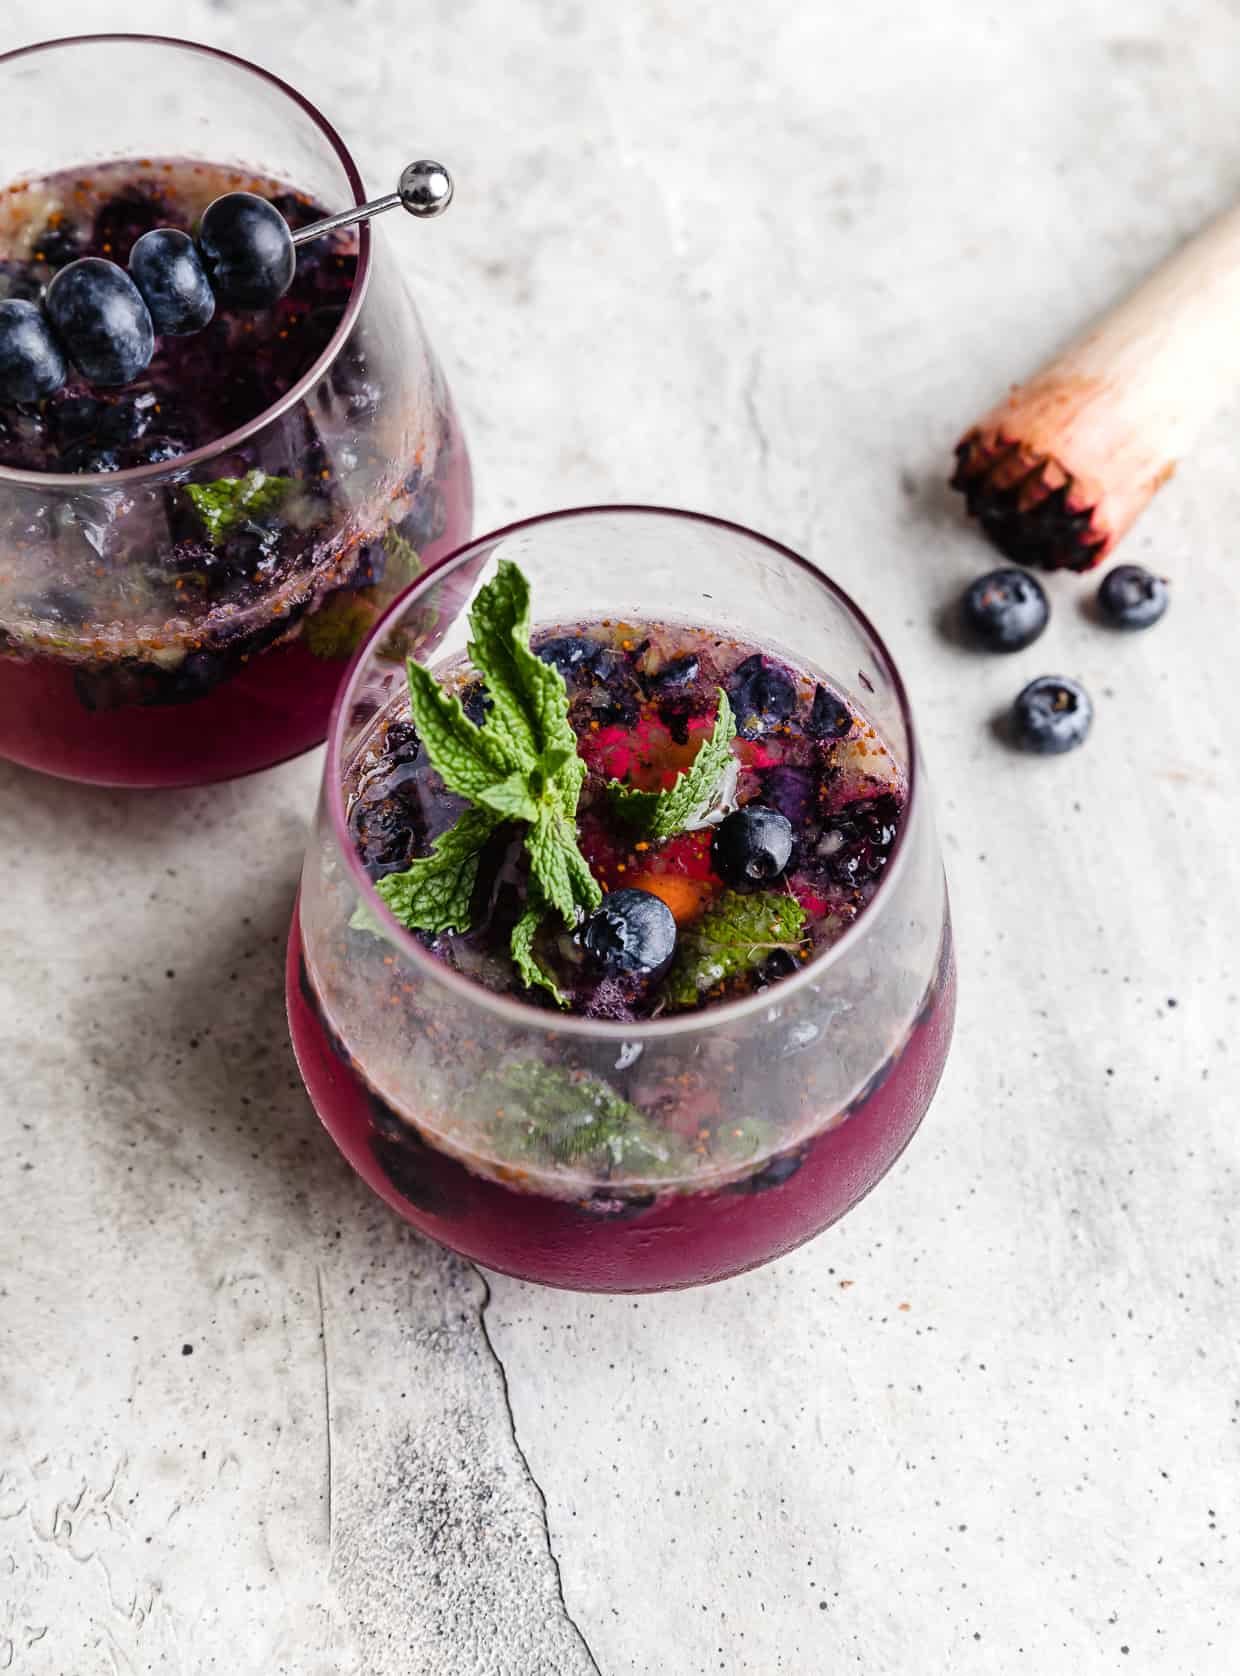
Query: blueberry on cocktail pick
(98, 313)
(165, 267)
(632, 934)
(32, 363)
(249, 250)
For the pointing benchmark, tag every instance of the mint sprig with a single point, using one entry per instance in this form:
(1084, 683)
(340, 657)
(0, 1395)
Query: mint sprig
(550, 1114)
(735, 936)
(662, 814)
(224, 504)
(520, 766)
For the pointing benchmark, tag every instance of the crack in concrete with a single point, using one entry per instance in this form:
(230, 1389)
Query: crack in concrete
(528, 1470)
(327, 1403)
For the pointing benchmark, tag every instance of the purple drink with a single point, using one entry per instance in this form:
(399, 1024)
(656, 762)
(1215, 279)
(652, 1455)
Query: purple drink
(658, 1122)
(187, 562)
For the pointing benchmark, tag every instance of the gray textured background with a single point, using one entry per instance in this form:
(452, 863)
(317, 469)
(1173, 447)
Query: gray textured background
(766, 262)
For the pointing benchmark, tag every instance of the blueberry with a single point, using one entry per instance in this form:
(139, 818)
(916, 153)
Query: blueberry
(632, 933)
(1130, 597)
(166, 269)
(571, 654)
(32, 363)
(829, 716)
(1006, 610)
(101, 318)
(762, 695)
(752, 846)
(1051, 715)
(247, 250)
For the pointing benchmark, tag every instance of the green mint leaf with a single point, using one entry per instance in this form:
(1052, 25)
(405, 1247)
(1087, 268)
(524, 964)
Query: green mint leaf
(468, 761)
(340, 625)
(404, 562)
(223, 504)
(735, 936)
(511, 798)
(562, 873)
(436, 892)
(553, 1114)
(530, 969)
(499, 620)
(662, 814)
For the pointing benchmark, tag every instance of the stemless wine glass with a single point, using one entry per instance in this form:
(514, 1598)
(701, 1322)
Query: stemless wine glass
(117, 663)
(428, 1082)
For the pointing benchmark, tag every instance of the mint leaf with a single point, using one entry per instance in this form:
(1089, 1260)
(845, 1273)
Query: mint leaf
(531, 970)
(436, 892)
(222, 505)
(340, 625)
(734, 937)
(521, 766)
(404, 562)
(563, 875)
(662, 814)
(467, 760)
(511, 798)
(553, 1114)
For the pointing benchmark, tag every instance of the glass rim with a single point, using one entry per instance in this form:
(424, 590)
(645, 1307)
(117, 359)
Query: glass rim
(524, 1013)
(167, 470)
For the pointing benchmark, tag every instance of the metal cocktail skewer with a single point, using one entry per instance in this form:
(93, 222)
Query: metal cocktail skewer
(424, 189)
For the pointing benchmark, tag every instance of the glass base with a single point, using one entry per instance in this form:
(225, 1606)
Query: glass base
(623, 1244)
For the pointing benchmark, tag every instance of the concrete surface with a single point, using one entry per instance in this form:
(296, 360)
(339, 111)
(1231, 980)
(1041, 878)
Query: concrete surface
(764, 261)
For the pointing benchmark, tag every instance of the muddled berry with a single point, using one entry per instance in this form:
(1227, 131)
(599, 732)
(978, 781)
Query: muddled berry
(385, 830)
(571, 654)
(829, 716)
(90, 456)
(475, 702)
(675, 674)
(857, 840)
(32, 363)
(123, 220)
(154, 450)
(1131, 597)
(772, 1174)
(247, 250)
(1051, 715)
(780, 963)
(751, 846)
(100, 317)
(631, 933)
(762, 695)
(59, 243)
(1006, 610)
(790, 790)
(172, 280)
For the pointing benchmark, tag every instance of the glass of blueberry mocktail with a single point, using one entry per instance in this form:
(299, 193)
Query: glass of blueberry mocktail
(622, 958)
(219, 459)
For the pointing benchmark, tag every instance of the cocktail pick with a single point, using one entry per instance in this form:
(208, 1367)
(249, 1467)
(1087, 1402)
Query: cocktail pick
(424, 190)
